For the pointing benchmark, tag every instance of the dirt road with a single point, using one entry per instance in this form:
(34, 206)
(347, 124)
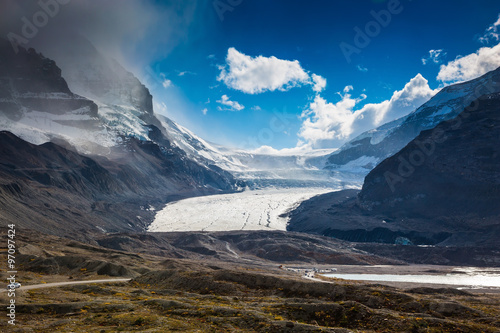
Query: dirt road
(59, 284)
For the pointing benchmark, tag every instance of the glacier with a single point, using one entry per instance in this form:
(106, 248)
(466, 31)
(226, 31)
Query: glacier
(247, 210)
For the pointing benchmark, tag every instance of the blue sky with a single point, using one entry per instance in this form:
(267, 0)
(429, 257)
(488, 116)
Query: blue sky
(233, 112)
(252, 73)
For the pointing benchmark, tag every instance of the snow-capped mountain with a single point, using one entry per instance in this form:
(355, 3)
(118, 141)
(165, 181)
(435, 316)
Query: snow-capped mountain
(93, 103)
(125, 107)
(448, 196)
(121, 107)
(199, 149)
(236, 160)
(64, 156)
(368, 149)
(258, 169)
(36, 103)
(112, 113)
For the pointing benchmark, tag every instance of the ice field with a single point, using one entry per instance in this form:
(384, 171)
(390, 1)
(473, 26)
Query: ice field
(248, 210)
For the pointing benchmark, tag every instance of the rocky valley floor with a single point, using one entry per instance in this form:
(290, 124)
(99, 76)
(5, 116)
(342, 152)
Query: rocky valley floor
(178, 285)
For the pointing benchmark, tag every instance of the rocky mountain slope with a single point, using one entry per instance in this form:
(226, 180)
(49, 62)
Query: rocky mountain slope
(442, 188)
(35, 100)
(126, 108)
(46, 181)
(259, 169)
(371, 147)
(56, 190)
(452, 170)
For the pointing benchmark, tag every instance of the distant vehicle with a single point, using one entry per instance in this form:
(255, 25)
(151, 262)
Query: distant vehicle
(14, 285)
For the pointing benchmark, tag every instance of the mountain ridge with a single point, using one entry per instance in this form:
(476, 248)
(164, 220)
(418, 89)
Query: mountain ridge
(73, 167)
(388, 139)
(442, 188)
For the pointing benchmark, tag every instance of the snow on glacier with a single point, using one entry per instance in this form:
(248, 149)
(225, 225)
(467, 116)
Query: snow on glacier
(248, 210)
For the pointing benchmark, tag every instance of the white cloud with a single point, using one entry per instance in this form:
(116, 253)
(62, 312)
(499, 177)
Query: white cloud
(265, 150)
(204, 111)
(268, 150)
(328, 125)
(185, 73)
(435, 56)
(254, 75)
(348, 88)
(160, 108)
(362, 69)
(256, 108)
(492, 33)
(229, 105)
(471, 66)
(319, 83)
(166, 83)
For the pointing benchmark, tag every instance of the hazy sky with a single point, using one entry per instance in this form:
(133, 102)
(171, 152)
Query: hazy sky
(281, 73)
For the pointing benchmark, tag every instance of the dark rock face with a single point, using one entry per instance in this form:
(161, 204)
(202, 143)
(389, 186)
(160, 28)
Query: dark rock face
(57, 191)
(452, 170)
(94, 76)
(446, 105)
(53, 189)
(29, 80)
(443, 188)
(52, 165)
(33, 72)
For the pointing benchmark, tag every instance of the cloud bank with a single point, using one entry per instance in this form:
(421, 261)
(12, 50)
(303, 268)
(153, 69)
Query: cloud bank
(255, 75)
(471, 66)
(136, 35)
(327, 125)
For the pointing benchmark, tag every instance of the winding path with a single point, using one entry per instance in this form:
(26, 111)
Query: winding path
(59, 284)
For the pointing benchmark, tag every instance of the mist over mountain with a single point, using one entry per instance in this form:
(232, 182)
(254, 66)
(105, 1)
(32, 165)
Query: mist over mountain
(47, 184)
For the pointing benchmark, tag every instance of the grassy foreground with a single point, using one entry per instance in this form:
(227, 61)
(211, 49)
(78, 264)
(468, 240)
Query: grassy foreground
(249, 300)
(207, 294)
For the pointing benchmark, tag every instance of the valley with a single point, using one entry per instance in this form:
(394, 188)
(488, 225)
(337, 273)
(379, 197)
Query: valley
(338, 207)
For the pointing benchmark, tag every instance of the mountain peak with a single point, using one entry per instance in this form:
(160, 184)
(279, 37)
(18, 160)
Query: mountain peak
(92, 74)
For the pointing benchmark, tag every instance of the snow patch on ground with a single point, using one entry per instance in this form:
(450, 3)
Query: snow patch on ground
(248, 210)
